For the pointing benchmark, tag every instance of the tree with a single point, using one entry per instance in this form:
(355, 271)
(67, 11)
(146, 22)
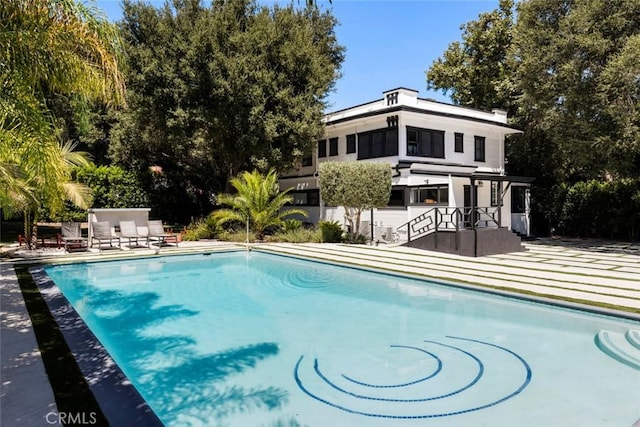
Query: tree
(258, 202)
(216, 90)
(356, 186)
(479, 71)
(570, 83)
(567, 73)
(48, 47)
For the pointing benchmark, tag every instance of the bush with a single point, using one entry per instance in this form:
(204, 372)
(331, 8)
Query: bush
(291, 224)
(331, 231)
(300, 235)
(237, 236)
(357, 239)
(203, 228)
(111, 187)
(609, 209)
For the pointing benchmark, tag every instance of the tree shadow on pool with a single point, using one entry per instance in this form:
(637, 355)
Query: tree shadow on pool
(176, 380)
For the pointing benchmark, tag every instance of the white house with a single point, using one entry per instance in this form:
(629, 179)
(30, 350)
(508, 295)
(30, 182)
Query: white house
(448, 166)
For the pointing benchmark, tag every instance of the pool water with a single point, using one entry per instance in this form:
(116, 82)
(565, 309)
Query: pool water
(255, 339)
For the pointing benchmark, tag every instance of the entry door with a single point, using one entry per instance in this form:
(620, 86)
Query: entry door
(520, 199)
(469, 214)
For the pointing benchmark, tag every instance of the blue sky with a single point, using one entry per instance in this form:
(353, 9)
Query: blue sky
(390, 43)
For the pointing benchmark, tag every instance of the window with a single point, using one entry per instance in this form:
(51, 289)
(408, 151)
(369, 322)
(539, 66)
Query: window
(397, 197)
(459, 143)
(495, 193)
(425, 142)
(412, 142)
(299, 197)
(392, 98)
(378, 143)
(479, 149)
(305, 198)
(432, 194)
(313, 197)
(307, 161)
(333, 147)
(322, 148)
(351, 143)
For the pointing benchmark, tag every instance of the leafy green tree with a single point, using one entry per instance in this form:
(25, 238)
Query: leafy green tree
(479, 71)
(572, 80)
(221, 89)
(567, 73)
(356, 186)
(619, 93)
(48, 47)
(258, 202)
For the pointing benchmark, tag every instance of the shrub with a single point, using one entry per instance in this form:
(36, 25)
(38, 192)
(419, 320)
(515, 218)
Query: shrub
(111, 187)
(331, 231)
(300, 235)
(357, 239)
(202, 228)
(609, 209)
(291, 224)
(237, 236)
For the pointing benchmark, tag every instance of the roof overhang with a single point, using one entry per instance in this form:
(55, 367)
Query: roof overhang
(341, 118)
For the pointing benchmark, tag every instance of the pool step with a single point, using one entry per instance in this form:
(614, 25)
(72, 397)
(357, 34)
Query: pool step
(624, 348)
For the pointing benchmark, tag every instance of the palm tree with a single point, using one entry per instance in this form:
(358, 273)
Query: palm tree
(46, 47)
(258, 201)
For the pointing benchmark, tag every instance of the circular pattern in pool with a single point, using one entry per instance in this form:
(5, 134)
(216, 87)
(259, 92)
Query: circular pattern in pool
(494, 375)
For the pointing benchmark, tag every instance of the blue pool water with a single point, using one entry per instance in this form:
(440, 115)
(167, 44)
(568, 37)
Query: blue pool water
(237, 339)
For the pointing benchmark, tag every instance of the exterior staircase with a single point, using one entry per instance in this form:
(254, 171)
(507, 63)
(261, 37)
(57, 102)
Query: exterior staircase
(464, 231)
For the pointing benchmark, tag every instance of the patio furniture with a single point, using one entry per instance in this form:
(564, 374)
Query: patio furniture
(101, 231)
(157, 233)
(129, 232)
(72, 236)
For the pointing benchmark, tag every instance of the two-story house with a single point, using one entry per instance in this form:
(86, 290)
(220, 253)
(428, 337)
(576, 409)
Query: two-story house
(448, 166)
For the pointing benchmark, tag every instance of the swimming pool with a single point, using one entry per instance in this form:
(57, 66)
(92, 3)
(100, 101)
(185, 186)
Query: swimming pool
(237, 339)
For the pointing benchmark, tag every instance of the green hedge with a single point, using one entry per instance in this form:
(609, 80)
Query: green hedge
(111, 187)
(606, 209)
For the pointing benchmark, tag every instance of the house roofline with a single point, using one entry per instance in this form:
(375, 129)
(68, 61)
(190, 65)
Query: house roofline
(478, 110)
(407, 108)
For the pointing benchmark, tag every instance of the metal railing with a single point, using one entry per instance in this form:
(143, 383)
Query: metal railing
(451, 219)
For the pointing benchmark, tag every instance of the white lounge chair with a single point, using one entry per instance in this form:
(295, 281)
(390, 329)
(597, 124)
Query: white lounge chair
(129, 232)
(101, 231)
(157, 233)
(72, 236)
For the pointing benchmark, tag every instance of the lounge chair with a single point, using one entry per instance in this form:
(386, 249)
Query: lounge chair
(129, 232)
(72, 236)
(156, 232)
(101, 231)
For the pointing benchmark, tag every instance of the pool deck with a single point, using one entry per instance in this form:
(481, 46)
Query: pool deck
(588, 273)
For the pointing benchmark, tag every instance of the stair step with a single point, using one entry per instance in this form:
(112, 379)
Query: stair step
(633, 336)
(620, 347)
